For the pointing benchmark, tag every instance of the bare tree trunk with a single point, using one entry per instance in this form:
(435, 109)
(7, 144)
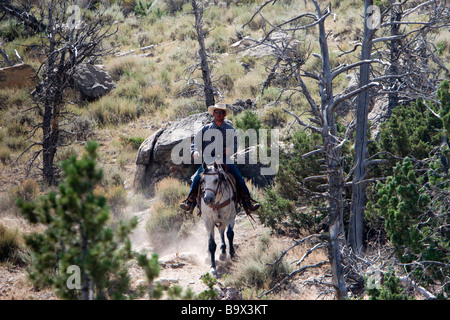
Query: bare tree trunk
(394, 49)
(356, 227)
(334, 166)
(65, 47)
(206, 73)
(50, 125)
(3, 53)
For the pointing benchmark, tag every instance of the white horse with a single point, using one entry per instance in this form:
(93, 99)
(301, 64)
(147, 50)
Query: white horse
(218, 207)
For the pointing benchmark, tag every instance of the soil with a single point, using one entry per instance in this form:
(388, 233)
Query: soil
(183, 263)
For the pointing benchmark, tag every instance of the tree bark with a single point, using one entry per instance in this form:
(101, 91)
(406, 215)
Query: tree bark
(356, 227)
(206, 73)
(394, 51)
(64, 49)
(334, 166)
(3, 53)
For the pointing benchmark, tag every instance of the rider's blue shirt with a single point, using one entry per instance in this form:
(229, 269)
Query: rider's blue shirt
(211, 141)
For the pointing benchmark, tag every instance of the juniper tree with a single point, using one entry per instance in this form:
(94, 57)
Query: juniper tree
(77, 234)
(70, 37)
(414, 200)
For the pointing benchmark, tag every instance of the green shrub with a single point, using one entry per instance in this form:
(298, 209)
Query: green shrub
(248, 120)
(76, 234)
(27, 190)
(132, 142)
(294, 168)
(117, 199)
(274, 117)
(256, 270)
(10, 245)
(170, 191)
(110, 110)
(5, 155)
(411, 131)
(278, 213)
(401, 204)
(174, 6)
(15, 143)
(279, 210)
(390, 289)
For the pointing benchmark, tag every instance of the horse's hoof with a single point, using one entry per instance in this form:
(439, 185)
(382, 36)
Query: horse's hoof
(223, 257)
(213, 272)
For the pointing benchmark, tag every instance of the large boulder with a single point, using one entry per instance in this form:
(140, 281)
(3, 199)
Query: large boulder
(159, 155)
(154, 160)
(93, 81)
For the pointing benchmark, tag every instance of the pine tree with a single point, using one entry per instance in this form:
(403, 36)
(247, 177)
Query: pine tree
(77, 237)
(401, 204)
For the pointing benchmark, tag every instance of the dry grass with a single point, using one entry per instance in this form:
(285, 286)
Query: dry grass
(168, 225)
(146, 97)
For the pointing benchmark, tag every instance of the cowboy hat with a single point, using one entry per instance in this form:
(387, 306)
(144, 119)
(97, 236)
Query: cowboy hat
(220, 106)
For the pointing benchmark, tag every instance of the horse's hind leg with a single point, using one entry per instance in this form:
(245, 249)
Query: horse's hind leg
(223, 246)
(230, 236)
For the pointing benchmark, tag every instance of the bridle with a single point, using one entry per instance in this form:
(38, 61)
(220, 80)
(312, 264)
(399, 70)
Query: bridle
(218, 184)
(216, 206)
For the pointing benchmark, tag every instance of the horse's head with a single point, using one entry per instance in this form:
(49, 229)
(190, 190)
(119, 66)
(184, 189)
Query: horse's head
(210, 181)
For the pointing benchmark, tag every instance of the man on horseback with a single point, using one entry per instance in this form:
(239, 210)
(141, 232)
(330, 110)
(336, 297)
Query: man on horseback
(219, 129)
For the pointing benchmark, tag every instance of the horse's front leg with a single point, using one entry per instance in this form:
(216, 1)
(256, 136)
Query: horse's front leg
(212, 250)
(223, 247)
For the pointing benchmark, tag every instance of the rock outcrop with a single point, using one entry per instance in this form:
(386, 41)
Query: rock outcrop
(18, 76)
(154, 161)
(92, 81)
(161, 154)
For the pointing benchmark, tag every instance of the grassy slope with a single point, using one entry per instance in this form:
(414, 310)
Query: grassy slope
(147, 87)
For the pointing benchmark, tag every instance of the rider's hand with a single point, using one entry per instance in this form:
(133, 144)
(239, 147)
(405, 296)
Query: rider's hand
(196, 155)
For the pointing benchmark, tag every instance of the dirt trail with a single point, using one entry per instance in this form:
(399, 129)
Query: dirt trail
(184, 262)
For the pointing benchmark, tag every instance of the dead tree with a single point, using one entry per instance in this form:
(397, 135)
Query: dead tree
(406, 39)
(5, 56)
(407, 77)
(356, 226)
(28, 19)
(206, 73)
(67, 43)
(204, 86)
(323, 117)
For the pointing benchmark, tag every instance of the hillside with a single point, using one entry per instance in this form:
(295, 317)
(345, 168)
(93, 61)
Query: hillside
(154, 47)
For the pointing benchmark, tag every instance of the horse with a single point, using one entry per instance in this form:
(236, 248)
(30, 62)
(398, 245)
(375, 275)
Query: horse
(218, 207)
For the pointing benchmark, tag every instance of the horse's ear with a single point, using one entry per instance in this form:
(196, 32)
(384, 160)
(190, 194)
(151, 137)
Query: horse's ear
(204, 165)
(216, 167)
